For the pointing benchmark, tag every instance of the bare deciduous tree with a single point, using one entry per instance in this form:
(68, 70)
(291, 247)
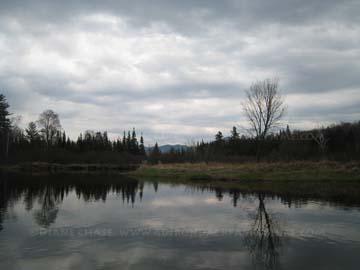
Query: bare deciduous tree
(32, 133)
(50, 125)
(264, 107)
(320, 139)
(16, 131)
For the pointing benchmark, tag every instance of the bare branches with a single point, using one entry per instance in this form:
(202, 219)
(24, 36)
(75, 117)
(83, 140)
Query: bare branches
(264, 107)
(319, 138)
(50, 125)
(264, 238)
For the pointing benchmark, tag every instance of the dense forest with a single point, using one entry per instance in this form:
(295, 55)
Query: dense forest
(339, 142)
(44, 140)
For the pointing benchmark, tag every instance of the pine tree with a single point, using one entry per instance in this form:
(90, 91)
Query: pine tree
(68, 143)
(234, 134)
(4, 114)
(133, 135)
(155, 154)
(128, 142)
(156, 149)
(134, 143)
(80, 142)
(63, 141)
(124, 141)
(4, 125)
(142, 146)
(219, 137)
(118, 146)
(106, 142)
(288, 132)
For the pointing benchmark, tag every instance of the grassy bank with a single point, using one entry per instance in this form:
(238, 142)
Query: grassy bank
(329, 181)
(322, 180)
(296, 171)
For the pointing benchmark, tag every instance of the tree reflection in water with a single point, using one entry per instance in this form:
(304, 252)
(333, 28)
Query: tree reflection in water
(264, 238)
(50, 191)
(49, 201)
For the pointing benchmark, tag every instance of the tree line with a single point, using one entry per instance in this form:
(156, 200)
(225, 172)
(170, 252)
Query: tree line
(339, 142)
(264, 109)
(45, 140)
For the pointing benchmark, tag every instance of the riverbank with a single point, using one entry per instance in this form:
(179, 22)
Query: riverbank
(319, 180)
(294, 171)
(44, 167)
(329, 181)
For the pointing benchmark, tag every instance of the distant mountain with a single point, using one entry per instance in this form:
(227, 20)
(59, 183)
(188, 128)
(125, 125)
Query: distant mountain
(167, 147)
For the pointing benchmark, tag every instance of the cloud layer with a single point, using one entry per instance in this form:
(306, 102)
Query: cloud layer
(177, 70)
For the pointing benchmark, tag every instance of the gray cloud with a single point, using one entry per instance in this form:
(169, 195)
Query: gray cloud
(177, 70)
(145, 12)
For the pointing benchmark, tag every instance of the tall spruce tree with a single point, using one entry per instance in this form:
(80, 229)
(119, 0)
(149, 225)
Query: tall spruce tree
(128, 142)
(4, 114)
(124, 141)
(142, 146)
(134, 143)
(63, 141)
(5, 125)
(234, 134)
(155, 154)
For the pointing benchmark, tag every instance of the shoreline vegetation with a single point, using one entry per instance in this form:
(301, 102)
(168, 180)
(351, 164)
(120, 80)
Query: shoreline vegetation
(262, 158)
(330, 181)
(252, 171)
(324, 180)
(44, 167)
(211, 171)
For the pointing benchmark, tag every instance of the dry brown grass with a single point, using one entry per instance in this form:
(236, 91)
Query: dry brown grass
(301, 170)
(263, 166)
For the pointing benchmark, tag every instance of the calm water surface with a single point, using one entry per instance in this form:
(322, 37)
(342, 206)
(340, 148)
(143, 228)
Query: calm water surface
(107, 222)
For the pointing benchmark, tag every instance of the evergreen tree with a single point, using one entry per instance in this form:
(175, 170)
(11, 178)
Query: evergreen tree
(119, 146)
(106, 142)
(68, 143)
(234, 134)
(128, 142)
(219, 137)
(142, 146)
(4, 114)
(4, 125)
(80, 142)
(134, 143)
(63, 141)
(133, 135)
(155, 154)
(288, 132)
(124, 141)
(156, 149)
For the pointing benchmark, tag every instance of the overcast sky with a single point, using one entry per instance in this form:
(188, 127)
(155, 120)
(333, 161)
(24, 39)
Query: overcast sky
(177, 70)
